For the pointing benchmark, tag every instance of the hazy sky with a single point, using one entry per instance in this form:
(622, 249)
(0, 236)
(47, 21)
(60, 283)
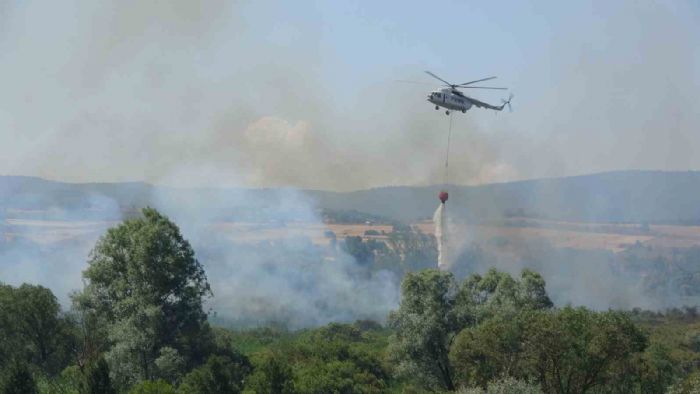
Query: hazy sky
(303, 94)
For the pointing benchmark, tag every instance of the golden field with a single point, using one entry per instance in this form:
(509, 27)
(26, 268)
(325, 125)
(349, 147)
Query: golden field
(613, 237)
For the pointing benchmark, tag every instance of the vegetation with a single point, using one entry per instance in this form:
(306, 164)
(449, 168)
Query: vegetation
(139, 326)
(30, 315)
(403, 251)
(18, 379)
(145, 291)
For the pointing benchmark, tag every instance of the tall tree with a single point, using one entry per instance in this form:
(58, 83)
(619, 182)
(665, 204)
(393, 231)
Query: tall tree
(43, 325)
(490, 350)
(574, 350)
(434, 310)
(32, 327)
(425, 326)
(146, 288)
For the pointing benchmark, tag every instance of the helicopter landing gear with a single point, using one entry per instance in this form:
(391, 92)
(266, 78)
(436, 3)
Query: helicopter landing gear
(437, 108)
(447, 112)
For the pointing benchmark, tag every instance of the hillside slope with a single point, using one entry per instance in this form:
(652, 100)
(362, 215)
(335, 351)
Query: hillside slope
(623, 196)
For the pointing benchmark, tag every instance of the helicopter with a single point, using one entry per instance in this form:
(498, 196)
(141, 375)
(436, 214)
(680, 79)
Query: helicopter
(451, 98)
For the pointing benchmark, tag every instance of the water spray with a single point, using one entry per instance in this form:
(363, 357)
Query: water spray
(440, 219)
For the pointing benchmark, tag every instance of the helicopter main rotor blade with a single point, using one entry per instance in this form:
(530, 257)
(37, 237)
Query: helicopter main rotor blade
(478, 80)
(436, 77)
(481, 87)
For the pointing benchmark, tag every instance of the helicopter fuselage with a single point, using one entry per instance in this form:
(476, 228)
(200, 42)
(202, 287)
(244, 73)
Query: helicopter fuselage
(448, 99)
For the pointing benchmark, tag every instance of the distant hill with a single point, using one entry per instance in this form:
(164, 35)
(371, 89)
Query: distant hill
(623, 196)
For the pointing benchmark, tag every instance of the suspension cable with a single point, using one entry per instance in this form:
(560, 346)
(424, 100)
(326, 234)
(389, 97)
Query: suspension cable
(446, 175)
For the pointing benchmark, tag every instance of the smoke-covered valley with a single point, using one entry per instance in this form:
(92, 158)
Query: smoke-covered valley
(300, 258)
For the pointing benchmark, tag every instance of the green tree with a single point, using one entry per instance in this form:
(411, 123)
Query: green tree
(497, 293)
(408, 250)
(18, 379)
(425, 326)
(363, 252)
(70, 380)
(170, 364)
(89, 341)
(219, 375)
(146, 289)
(488, 351)
(271, 375)
(434, 310)
(32, 327)
(10, 340)
(44, 327)
(338, 358)
(97, 380)
(650, 372)
(689, 385)
(574, 350)
(336, 376)
(657, 371)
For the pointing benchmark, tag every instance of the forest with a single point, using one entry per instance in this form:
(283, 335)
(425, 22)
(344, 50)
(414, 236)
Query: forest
(140, 324)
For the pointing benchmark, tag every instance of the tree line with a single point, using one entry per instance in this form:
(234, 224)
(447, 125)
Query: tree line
(139, 325)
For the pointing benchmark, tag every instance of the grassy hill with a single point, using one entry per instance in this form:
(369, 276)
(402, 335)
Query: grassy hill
(623, 196)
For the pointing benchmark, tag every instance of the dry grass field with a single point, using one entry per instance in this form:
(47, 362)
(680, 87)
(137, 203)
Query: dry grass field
(611, 237)
(588, 236)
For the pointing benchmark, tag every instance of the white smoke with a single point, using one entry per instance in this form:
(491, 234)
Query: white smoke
(286, 277)
(50, 247)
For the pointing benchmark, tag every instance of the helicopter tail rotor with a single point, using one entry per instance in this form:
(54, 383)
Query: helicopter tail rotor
(507, 102)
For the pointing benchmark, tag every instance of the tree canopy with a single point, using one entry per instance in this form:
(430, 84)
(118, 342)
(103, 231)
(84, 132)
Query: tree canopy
(146, 289)
(32, 316)
(434, 309)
